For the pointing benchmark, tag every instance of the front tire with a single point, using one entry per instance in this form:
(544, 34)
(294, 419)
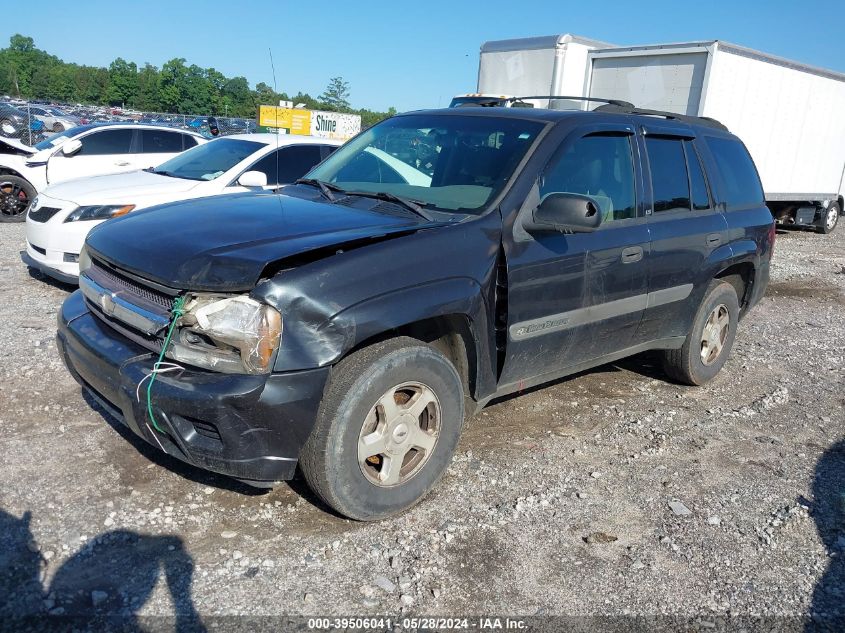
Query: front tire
(831, 219)
(15, 196)
(58, 127)
(710, 340)
(387, 427)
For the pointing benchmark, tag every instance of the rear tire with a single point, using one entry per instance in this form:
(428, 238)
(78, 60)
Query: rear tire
(15, 195)
(831, 219)
(398, 395)
(710, 339)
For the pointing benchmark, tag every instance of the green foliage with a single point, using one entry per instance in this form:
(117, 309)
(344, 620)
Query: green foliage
(336, 95)
(31, 73)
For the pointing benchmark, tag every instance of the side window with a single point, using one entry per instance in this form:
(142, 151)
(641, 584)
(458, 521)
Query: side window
(106, 142)
(188, 141)
(161, 142)
(669, 180)
(698, 184)
(741, 183)
(297, 160)
(267, 166)
(600, 166)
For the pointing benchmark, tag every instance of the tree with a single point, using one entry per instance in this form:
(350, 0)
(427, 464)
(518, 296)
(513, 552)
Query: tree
(336, 95)
(123, 82)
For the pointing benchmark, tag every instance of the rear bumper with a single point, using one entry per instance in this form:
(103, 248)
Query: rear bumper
(251, 428)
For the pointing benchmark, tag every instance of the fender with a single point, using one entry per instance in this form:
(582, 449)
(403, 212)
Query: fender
(325, 339)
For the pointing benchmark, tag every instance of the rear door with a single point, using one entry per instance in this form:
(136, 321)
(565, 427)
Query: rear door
(157, 146)
(103, 151)
(686, 229)
(575, 297)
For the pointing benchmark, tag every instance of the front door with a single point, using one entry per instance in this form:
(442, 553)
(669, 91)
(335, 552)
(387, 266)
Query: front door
(576, 297)
(104, 151)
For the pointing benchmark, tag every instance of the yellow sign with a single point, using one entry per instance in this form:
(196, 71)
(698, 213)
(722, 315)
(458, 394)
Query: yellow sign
(294, 120)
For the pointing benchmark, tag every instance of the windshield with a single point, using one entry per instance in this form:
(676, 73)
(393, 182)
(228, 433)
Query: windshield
(55, 140)
(209, 161)
(451, 163)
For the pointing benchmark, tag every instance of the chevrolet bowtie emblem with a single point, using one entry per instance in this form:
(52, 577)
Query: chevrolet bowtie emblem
(107, 303)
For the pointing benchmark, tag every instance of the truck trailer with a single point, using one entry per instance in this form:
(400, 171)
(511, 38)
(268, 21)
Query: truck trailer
(787, 113)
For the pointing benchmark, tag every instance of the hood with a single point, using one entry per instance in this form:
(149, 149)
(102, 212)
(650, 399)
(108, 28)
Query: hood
(223, 244)
(120, 188)
(14, 146)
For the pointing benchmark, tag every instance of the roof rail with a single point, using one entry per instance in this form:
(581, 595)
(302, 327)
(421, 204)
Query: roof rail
(615, 102)
(686, 118)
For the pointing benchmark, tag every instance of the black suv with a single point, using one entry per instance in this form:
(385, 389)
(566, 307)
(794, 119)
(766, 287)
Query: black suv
(440, 259)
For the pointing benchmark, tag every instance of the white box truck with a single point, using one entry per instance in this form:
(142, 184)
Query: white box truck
(548, 65)
(788, 114)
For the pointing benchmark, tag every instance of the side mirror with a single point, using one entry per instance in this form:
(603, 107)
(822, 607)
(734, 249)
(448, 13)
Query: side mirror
(564, 212)
(253, 179)
(71, 147)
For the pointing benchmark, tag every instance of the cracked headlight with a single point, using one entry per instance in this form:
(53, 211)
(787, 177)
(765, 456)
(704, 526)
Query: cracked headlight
(234, 335)
(99, 212)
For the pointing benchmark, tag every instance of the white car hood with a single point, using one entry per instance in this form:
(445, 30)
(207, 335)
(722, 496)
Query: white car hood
(15, 143)
(123, 188)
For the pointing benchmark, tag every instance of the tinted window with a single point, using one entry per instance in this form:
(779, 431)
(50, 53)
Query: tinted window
(597, 166)
(188, 141)
(106, 142)
(698, 185)
(739, 177)
(160, 142)
(296, 161)
(668, 173)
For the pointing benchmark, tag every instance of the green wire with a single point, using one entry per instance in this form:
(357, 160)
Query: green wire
(175, 312)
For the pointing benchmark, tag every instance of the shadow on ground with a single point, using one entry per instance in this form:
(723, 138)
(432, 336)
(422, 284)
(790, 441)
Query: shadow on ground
(100, 587)
(828, 607)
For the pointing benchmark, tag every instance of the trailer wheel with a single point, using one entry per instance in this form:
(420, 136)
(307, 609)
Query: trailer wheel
(831, 219)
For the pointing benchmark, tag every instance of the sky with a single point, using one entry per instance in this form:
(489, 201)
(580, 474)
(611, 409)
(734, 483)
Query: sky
(408, 55)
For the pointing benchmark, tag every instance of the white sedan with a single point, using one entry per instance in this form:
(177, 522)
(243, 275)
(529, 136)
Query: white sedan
(62, 215)
(86, 150)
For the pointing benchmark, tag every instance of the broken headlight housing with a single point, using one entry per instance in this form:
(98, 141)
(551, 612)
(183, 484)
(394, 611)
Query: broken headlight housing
(234, 335)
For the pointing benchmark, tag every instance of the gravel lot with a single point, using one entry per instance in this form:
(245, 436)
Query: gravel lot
(561, 501)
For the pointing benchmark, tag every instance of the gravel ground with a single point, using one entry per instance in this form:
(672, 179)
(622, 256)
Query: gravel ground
(612, 492)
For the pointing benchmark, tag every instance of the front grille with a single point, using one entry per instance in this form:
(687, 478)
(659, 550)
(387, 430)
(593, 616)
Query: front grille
(43, 214)
(38, 249)
(134, 292)
(117, 282)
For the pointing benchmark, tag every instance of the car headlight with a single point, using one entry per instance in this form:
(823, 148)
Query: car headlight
(84, 260)
(233, 335)
(99, 212)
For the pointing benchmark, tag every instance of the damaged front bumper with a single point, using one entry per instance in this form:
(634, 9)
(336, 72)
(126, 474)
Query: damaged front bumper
(249, 427)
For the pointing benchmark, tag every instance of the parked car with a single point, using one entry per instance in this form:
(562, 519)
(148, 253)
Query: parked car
(350, 325)
(54, 119)
(15, 123)
(62, 215)
(86, 150)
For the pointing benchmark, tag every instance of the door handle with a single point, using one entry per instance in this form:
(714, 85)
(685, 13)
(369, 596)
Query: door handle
(632, 254)
(122, 163)
(714, 239)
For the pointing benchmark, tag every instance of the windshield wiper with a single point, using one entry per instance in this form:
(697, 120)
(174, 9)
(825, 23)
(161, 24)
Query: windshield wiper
(411, 205)
(325, 188)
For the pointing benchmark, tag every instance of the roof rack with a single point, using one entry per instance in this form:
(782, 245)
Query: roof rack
(615, 102)
(686, 118)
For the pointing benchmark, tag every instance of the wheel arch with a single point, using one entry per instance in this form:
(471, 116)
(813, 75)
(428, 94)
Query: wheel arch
(740, 275)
